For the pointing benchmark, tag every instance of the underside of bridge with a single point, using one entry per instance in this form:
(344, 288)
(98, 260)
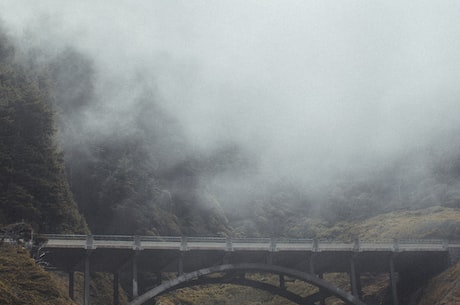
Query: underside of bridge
(234, 274)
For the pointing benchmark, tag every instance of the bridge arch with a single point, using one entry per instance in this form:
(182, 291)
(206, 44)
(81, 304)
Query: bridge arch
(182, 280)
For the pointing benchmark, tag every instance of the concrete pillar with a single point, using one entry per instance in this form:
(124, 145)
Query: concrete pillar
(158, 279)
(227, 258)
(393, 281)
(86, 279)
(116, 292)
(71, 285)
(354, 278)
(135, 293)
(282, 282)
(180, 264)
(323, 299)
(270, 258)
(311, 262)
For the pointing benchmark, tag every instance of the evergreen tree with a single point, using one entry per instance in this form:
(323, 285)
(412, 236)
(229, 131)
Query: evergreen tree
(33, 184)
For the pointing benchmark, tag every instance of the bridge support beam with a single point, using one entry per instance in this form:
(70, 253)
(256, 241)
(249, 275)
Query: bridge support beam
(116, 291)
(135, 292)
(355, 279)
(393, 281)
(270, 258)
(282, 282)
(86, 278)
(180, 264)
(311, 263)
(71, 285)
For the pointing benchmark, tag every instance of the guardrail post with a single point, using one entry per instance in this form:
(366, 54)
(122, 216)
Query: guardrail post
(315, 245)
(395, 245)
(273, 244)
(183, 243)
(356, 244)
(445, 244)
(89, 241)
(229, 244)
(137, 242)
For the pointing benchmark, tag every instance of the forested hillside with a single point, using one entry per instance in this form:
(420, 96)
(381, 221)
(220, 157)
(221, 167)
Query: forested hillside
(138, 173)
(33, 181)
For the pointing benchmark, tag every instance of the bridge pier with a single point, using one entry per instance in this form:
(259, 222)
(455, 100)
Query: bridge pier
(135, 292)
(86, 278)
(282, 282)
(180, 264)
(393, 281)
(311, 263)
(355, 278)
(269, 259)
(116, 292)
(71, 285)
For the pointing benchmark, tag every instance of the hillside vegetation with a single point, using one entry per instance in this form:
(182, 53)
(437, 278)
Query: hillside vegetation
(430, 223)
(23, 282)
(444, 289)
(33, 183)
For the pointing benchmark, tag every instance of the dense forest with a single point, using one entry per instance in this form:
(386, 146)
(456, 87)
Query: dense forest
(143, 176)
(34, 188)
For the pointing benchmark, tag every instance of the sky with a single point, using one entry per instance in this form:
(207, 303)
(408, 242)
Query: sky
(307, 86)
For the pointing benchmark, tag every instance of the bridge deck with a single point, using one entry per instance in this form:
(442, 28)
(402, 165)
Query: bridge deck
(259, 244)
(154, 253)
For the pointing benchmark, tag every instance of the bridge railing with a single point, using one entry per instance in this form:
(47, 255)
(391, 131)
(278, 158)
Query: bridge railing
(421, 244)
(66, 241)
(233, 244)
(295, 244)
(333, 245)
(376, 245)
(65, 236)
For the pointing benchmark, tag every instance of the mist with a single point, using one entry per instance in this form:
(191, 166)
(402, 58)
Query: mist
(308, 91)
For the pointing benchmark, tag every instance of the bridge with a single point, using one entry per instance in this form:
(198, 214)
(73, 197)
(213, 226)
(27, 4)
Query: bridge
(208, 260)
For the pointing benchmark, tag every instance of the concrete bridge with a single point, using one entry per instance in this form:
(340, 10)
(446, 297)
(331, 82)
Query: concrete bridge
(195, 259)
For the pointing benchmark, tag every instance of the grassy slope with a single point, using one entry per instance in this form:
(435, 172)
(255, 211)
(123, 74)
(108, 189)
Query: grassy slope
(444, 289)
(434, 222)
(24, 282)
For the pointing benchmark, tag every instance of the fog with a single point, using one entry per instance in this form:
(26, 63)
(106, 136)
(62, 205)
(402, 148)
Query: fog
(308, 89)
